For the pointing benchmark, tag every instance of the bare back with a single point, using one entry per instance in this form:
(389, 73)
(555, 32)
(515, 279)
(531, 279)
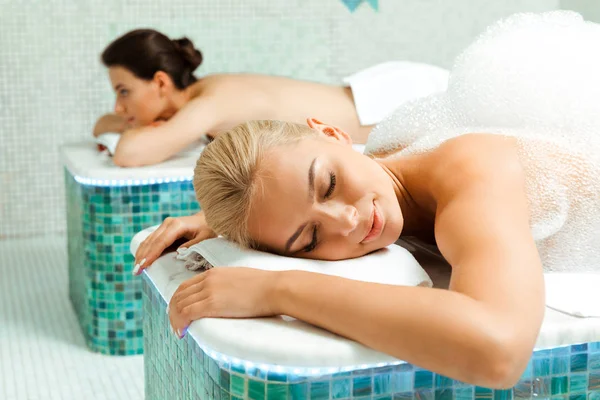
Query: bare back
(246, 97)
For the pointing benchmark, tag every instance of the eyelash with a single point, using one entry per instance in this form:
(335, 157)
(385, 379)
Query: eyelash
(313, 243)
(332, 184)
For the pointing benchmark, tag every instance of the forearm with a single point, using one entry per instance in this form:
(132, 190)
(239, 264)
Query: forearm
(443, 331)
(109, 123)
(145, 146)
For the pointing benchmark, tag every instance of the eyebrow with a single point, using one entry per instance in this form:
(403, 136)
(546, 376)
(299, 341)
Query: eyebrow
(120, 85)
(311, 194)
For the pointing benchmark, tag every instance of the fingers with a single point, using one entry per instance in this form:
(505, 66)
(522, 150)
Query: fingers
(142, 251)
(154, 245)
(184, 305)
(181, 322)
(205, 234)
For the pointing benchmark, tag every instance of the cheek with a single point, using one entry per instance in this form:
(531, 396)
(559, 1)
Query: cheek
(146, 107)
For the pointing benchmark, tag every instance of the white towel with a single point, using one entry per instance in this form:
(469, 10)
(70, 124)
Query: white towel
(392, 265)
(574, 293)
(380, 89)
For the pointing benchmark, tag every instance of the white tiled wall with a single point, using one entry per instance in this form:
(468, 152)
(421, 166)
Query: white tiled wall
(53, 87)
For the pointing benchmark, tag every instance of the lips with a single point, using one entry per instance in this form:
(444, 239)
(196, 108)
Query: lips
(376, 225)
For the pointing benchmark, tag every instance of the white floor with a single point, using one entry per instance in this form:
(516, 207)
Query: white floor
(42, 351)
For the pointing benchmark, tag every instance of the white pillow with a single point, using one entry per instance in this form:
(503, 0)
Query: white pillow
(392, 265)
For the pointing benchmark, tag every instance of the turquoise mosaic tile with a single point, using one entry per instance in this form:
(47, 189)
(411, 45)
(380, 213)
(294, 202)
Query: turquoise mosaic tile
(180, 369)
(101, 220)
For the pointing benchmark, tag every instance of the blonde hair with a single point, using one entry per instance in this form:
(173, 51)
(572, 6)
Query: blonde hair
(226, 174)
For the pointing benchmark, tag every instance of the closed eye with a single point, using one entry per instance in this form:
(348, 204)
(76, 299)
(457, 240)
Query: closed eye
(332, 183)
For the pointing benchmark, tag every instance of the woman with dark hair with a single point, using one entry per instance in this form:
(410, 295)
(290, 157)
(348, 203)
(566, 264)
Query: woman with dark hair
(161, 107)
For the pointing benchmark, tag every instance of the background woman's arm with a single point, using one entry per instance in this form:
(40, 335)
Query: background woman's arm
(109, 123)
(152, 145)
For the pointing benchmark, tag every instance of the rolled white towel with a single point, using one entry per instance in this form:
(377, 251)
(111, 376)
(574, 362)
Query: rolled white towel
(392, 265)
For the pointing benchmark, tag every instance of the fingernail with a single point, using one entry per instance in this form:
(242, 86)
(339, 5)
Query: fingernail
(183, 332)
(142, 262)
(167, 309)
(136, 269)
(178, 332)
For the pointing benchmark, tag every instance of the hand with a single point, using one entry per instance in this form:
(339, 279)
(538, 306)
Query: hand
(223, 292)
(193, 228)
(110, 123)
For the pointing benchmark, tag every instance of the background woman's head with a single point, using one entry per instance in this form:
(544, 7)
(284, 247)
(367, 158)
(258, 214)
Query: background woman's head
(145, 68)
(296, 190)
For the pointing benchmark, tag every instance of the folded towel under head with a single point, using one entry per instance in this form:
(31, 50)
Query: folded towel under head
(392, 265)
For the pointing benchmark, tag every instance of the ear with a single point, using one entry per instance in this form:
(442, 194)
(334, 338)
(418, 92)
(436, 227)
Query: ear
(330, 131)
(163, 82)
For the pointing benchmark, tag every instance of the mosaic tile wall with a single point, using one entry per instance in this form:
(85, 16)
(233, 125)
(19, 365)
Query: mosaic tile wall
(101, 222)
(179, 369)
(53, 88)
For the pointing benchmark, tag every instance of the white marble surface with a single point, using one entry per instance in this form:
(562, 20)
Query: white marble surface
(288, 342)
(83, 159)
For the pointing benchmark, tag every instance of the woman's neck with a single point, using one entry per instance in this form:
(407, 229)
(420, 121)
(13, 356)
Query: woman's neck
(408, 175)
(176, 102)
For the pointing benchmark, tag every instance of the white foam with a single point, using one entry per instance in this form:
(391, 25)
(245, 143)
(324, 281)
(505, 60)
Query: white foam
(535, 77)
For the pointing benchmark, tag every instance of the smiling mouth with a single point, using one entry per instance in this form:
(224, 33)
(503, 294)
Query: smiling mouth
(376, 225)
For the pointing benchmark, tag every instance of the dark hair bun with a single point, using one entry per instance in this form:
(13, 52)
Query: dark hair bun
(187, 50)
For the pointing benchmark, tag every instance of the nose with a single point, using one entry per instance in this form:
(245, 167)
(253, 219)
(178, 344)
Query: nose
(340, 218)
(119, 109)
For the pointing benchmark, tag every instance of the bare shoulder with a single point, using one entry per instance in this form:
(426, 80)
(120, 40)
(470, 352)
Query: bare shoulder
(475, 159)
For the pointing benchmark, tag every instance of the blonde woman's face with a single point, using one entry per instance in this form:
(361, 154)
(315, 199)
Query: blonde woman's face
(137, 100)
(321, 199)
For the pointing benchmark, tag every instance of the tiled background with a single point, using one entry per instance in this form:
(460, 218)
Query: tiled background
(52, 86)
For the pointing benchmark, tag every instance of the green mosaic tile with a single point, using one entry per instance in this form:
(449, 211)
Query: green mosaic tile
(578, 383)
(443, 394)
(402, 382)
(423, 379)
(483, 393)
(179, 369)
(277, 391)
(579, 362)
(382, 384)
(298, 391)
(594, 381)
(100, 224)
(341, 388)
(362, 386)
(594, 395)
(256, 389)
(541, 367)
(319, 390)
(238, 385)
